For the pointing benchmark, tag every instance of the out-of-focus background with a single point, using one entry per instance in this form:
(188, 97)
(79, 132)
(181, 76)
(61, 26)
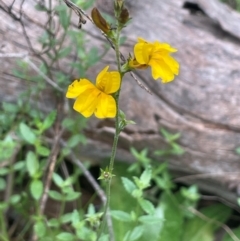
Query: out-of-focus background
(192, 123)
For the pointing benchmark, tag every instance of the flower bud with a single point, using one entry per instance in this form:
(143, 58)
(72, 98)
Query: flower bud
(124, 16)
(118, 5)
(99, 21)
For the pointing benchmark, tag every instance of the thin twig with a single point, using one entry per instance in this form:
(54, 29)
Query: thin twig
(222, 200)
(52, 161)
(45, 77)
(140, 83)
(87, 174)
(222, 225)
(205, 175)
(14, 55)
(25, 56)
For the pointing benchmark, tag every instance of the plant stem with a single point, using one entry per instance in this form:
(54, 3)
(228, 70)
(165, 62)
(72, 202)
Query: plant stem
(3, 230)
(115, 141)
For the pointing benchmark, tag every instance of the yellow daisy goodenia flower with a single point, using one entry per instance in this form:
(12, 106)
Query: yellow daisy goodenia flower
(157, 55)
(97, 98)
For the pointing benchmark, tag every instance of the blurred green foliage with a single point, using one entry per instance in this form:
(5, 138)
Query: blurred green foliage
(235, 4)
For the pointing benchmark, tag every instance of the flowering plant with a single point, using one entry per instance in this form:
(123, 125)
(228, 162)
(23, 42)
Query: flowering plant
(102, 99)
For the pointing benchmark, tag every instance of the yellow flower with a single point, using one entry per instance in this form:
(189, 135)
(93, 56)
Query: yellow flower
(96, 99)
(157, 55)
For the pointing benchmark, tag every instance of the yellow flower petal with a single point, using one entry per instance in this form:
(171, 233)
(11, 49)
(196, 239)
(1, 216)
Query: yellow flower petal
(142, 52)
(141, 40)
(87, 102)
(161, 70)
(106, 107)
(108, 82)
(102, 73)
(77, 87)
(157, 55)
(164, 46)
(96, 99)
(172, 64)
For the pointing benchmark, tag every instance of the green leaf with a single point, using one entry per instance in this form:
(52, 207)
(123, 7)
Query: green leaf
(9, 107)
(104, 237)
(19, 166)
(16, 198)
(91, 209)
(164, 182)
(75, 217)
(55, 195)
(68, 123)
(146, 206)
(36, 189)
(150, 219)
(2, 184)
(7, 147)
(93, 56)
(3, 206)
(58, 179)
(190, 193)
(173, 218)
(165, 133)
(27, 133)
(75, 140)
(238, 150)
(4, 171)
(146, 177)
(162, 152)
(69, 181)
(176, 149)
(124, 202)
(152, 225)
(128, 185)
(137, 193)
(135, 234)
(72, 196)
(141, 156)
(63, 16)
(32, 163)
(86, 4)
(49, 120)
(53, 222)
(64, 52)
(174, 137)
(122, 40)
(40, 7)
(121, 216)
(40, 228)
(192, 232)
(43, 151)
(65, 236)
(66, 218)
